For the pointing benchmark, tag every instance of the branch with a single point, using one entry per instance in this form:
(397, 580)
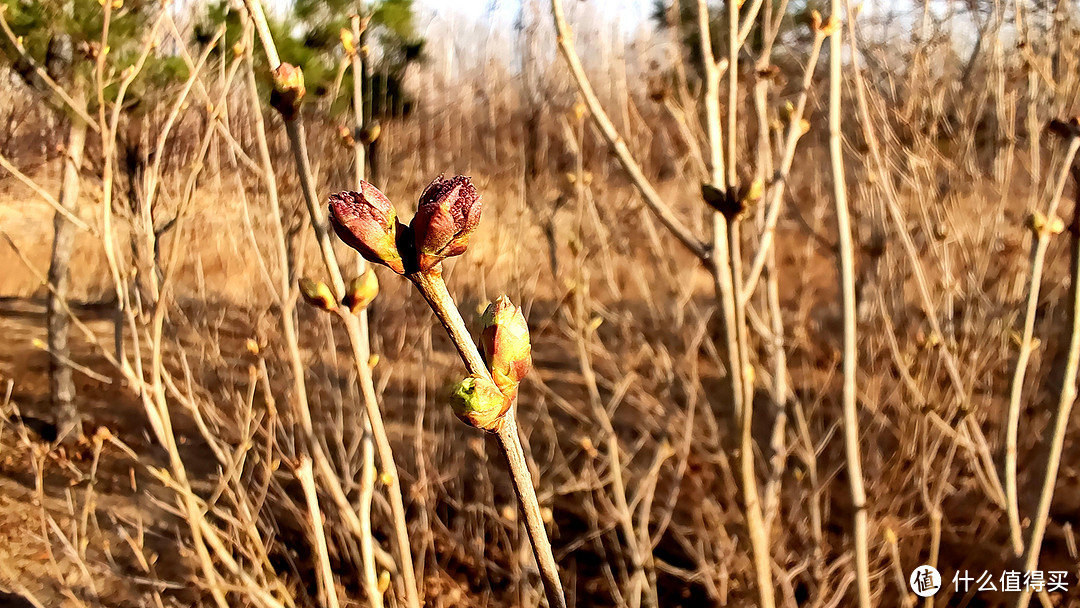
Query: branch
(652, 198)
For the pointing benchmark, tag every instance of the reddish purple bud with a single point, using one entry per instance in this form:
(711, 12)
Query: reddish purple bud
(367, 222)
(448, 214)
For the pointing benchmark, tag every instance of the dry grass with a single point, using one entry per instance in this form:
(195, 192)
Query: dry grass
(631, 364)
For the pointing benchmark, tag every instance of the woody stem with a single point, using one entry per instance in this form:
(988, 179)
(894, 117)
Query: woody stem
(431, 285)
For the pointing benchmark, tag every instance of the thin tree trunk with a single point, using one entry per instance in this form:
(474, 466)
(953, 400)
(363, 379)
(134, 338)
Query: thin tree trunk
(61, 386)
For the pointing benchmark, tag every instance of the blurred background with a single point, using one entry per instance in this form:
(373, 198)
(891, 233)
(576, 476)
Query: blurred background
(158, 361)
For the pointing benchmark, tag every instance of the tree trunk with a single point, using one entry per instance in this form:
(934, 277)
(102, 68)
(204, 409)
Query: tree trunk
(62, 388)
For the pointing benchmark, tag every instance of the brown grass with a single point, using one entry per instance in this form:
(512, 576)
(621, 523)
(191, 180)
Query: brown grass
(611, 298)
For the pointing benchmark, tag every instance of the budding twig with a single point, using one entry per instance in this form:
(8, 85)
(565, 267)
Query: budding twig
(1038, 260)
(448, 214)
(649, 194)
(297, 139)
(1066, 399)
(431, 286)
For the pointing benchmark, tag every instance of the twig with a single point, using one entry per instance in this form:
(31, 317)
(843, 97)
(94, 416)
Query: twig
(326, 472)
(847, 289)
(652, 198)
(45, 196)
(727, 279)
(638, 559)
(306, 476)
(979, 450)
(79, 110)
(295, 129)
(1038, 260)
(433, 289)
(774, 202)
(367, 472)
(1067, 397)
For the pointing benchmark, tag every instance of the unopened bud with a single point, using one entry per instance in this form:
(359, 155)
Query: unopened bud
(348, 42)
(479, 403)
(384, 581)
(940, 230)
(749, 373)
(770, 72)
(1043, 226)
(370, 132)
(580, 109)
(367, 222)
(317, 294)
(931, 340)
(595, 323)
(504, 343)
(787, 111)
(345, 134)
(890, 536)
(362, 291)
(448, 213)
(588, 446)
(831, 26)
(288, 90)
(1065, 128)
(753, 192)
(725, 201)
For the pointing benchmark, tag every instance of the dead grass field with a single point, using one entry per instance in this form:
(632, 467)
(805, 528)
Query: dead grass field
(626, 331)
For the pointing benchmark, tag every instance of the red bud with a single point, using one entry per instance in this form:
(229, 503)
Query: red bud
(448, 213)
(367, 222)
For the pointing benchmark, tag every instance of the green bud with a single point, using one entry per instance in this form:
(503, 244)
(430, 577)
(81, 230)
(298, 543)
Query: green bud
(317, 294)
(479, 403)
(362, 291)
(505, 346)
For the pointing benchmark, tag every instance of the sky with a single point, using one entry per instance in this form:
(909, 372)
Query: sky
(633, 12)
(490, 24)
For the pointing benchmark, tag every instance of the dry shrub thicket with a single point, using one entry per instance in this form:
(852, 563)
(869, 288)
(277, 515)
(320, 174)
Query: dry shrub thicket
(707, 384)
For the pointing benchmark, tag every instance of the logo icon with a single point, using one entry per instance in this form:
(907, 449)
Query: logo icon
(925, 581)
